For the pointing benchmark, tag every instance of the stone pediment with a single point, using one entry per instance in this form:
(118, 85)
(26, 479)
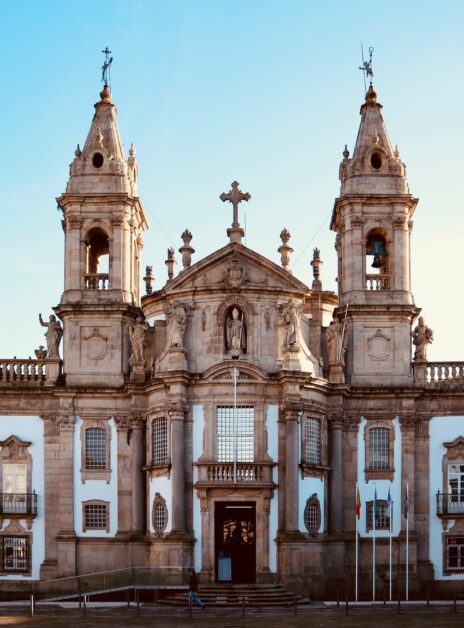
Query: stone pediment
(235, 268)
(245, 372)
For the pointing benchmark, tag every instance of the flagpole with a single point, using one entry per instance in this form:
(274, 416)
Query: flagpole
(407, 542)
(391, 526)
(374, 504)
(235, 424)
(356, 556)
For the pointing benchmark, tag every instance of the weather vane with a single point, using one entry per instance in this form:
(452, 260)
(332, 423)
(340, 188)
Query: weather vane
(106, 78)
(366, 66)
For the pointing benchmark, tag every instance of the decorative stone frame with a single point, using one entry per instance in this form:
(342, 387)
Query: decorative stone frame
(379, 474)
(159, 501)
(315, 470)
(158, 470)
(14, 529)
(313, 501)
(96, 502)
(14, 451)
(96, 474)
(457, 530)
(85, 228)
(454, 455)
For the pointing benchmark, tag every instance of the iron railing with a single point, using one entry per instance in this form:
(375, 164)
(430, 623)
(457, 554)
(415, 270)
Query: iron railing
(450, 504)
(18, 504)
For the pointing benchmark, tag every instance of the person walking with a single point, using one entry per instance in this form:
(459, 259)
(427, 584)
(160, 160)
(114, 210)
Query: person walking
(193, 590)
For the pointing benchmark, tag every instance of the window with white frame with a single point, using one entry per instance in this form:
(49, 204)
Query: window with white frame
(379, 448)
(14, 488)
(159, 440)
(456, 484)
(235, 433)
(312, 441)
(454, 554)
(95, 449)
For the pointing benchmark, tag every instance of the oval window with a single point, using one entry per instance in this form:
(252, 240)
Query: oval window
(376, 161)
(97, 160)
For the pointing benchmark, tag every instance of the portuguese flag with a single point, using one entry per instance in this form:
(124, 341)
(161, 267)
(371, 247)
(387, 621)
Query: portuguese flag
(358, 503)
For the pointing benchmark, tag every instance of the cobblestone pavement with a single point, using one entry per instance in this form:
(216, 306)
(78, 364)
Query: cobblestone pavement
(119, 616)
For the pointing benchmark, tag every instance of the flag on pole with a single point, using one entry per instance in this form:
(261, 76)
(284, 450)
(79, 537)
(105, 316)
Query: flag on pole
(375, 506)
(388, 509)
(406, 502)
(358, 504)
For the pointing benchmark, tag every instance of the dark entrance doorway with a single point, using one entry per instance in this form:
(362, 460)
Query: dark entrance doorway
(235, 541)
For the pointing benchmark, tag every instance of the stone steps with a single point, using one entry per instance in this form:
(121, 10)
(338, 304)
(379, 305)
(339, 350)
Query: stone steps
(222, 596)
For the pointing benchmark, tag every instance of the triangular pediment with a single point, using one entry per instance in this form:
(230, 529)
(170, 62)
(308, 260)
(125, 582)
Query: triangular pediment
(235, 268)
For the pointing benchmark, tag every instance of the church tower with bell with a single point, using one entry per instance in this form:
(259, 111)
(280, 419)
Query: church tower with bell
(103, 224)
(373, 221)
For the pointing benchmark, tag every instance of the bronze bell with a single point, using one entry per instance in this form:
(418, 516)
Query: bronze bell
(377, 250)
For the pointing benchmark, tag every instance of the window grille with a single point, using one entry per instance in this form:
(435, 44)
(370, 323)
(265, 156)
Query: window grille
(96, 516)
(312, 441)
(312, 515)
(379, 448)
(455, 554)
(160, 514)
(15, 551)
(235, 432)
(382, 521)
(95, 448)
(159, 436)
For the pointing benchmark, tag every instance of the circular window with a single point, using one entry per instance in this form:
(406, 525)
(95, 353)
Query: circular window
(312, 515)
(97, 160)
(159, 514)
(376, 161)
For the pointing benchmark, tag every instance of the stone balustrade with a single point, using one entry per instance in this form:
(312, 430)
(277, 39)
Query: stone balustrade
(377, 282)
(220, 473)
(438, 372)
(97, 281)
(29, 372)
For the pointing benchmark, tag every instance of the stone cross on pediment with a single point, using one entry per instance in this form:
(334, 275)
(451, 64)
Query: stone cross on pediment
(235, 196)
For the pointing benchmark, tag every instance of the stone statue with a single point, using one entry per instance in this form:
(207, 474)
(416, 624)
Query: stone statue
(137, 335)
(290, 313)
(40, 353)
(53, 335)
(421, 337)
(176, 326)
(236, 342)
(336, 342)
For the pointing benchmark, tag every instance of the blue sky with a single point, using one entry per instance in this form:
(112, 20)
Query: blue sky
(265, 92)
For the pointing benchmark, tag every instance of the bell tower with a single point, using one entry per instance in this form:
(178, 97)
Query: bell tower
(373, 221)
(103, 224)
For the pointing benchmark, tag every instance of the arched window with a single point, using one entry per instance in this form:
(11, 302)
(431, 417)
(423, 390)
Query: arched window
(312, 515)
(159, 514)
(376, 260)
(97, 262)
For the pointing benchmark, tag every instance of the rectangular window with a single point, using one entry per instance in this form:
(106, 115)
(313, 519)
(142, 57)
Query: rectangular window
(15, 551)
(382, 521)
(95, 449)
(379, 448)
(312, 441)
(235, 433)
(159, 436)
(454, 550)
(14, 488)
(456, 486)
(96, 516)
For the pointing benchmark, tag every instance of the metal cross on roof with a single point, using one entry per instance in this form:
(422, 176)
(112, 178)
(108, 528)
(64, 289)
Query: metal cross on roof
(235, 196)
(366, 66)
(106, 66)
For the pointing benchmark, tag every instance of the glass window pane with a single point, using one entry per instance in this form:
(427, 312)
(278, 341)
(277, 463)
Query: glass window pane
(235, 431)
(95, 448)
(312, 441)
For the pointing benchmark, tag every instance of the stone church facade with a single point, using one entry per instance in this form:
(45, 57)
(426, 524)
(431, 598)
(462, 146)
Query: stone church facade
(223, 421)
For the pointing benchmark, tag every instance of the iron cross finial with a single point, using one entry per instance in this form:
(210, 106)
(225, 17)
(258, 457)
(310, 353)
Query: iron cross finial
(366, 66)
(235, 196)
(106, 66)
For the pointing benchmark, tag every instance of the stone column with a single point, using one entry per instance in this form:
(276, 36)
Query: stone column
(291, 468)
(408, 426)
(123, 466)
(350, 469)
(138, 427)
(52, 474)
(176, 414)
(66, 537)
(422, 486)
(336, 475)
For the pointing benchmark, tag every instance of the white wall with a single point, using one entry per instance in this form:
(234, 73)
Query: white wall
(95, 489)
(197, 450)
(442, 430)
(31, 429)
(366, 489)
(272, 415)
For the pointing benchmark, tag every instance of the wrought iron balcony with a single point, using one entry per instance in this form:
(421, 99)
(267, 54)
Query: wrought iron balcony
(450, 505)
(18, 504)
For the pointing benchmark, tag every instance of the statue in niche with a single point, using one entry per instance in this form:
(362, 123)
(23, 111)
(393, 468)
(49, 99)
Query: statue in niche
(235, 332)
(336, 342)
(421, 337)
(290, 313)
(177, 322)
(137, 335)
(53, 335)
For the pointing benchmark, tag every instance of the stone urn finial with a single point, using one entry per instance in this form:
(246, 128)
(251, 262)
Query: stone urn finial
(171, 262)
(186, 250)
(316, 263)
(149, 279)
(285, 250)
